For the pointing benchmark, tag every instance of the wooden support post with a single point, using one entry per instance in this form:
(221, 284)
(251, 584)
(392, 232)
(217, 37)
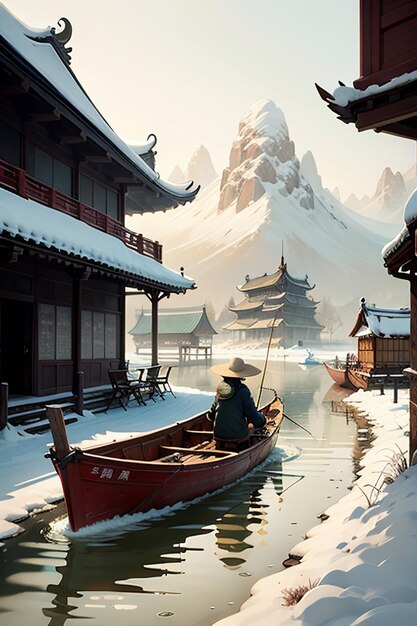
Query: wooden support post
(413, 366)
(4, 404)
(76, 335)
(395, 391)
(381, 389)
(79, 397)
(59, 434)
(154, 354)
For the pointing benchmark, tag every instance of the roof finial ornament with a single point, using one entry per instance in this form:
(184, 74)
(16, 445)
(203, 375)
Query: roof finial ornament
(282, 254)
(65, 34)
(58, 40)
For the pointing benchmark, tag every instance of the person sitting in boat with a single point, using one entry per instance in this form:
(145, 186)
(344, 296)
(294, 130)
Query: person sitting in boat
(234, 409)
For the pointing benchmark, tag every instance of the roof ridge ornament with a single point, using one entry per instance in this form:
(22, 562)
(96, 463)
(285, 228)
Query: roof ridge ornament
(59, 40)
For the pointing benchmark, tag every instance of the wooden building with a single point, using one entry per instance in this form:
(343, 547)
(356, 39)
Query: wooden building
(66, 182)
(278, 300)
(185, 327)
(388, 65)
(383, 339)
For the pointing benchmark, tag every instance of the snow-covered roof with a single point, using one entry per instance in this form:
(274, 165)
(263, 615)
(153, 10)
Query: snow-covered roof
(245, 305)
(395, 243)
(46, 61)
(382, 322)
(344, 95)
(42, 225)
(268, 280)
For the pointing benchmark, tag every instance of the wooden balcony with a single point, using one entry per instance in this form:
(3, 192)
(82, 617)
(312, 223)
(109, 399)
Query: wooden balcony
(17, 181)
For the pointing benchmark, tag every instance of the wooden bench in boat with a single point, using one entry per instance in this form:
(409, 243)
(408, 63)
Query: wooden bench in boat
(199, 432)
(208, 451)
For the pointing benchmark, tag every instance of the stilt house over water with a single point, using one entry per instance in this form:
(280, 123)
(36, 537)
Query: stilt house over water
(66, 183)
(185, 326)
(384, 98)
(383, 339)
(278, 300)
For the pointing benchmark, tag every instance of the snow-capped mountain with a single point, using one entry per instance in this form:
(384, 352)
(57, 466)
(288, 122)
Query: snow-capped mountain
(387, 203)
(200, 169)
(237, 225)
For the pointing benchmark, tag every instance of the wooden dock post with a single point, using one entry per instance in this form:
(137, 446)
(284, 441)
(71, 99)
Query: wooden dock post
(4, 404)
(79, 402)
(59, 434)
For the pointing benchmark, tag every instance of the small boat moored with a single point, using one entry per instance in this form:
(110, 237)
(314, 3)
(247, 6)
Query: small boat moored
(339, 375)
(154, 470)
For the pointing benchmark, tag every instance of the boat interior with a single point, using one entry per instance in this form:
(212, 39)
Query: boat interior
(188, 441)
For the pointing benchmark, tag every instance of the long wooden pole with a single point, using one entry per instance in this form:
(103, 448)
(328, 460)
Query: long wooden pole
(266, 362)
(59, 434)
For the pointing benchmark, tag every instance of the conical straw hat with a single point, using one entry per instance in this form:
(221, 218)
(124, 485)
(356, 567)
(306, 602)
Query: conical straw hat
(235, 368)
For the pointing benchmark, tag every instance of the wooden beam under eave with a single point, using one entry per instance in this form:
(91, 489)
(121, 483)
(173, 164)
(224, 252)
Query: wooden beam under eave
(399, 130)
(52, 116)
(16, 89)
(127, 180)
(96, 158)
(387, 114)
(69, 139)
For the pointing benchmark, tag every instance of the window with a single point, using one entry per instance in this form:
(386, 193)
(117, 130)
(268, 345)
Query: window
(9, 145)
(55, 332)
(99, 335)
(99, 197)
(49, 170)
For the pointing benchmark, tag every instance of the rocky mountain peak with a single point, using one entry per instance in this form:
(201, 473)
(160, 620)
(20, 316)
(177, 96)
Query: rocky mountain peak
(200, 169)
(262, 160)
(390, 184)
(177, 175)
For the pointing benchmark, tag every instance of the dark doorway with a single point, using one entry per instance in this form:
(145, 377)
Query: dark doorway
(16, 340)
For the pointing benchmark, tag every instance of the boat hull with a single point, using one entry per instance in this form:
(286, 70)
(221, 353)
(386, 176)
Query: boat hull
(339, 376)
(99, 484)
(357, 380)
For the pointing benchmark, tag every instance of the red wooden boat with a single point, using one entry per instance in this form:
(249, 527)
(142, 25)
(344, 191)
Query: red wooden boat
(339, 376)
(154, 470)
(357, 380)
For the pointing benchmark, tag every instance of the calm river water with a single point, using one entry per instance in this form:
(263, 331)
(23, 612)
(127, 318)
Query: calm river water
(196, 565)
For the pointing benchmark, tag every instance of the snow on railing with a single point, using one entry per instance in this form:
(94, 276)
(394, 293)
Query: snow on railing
(16, 180)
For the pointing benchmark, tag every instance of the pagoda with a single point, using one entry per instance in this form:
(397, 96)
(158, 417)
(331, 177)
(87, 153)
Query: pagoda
(278, 300)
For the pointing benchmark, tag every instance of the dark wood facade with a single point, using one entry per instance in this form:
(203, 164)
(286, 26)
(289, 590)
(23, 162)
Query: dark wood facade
(388, 39)
(62, 311)
(389, 51)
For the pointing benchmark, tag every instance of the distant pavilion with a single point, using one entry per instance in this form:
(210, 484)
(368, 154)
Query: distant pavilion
(187, 328)
(278, 300)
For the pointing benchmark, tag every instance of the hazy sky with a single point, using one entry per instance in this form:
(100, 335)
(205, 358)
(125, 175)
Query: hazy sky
(188, 70)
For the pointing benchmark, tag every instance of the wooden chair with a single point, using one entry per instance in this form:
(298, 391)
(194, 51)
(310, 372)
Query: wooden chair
(163, 382)
(124, 388)
(151, 379)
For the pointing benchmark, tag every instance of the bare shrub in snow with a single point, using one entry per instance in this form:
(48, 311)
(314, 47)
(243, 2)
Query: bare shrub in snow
(293, 595)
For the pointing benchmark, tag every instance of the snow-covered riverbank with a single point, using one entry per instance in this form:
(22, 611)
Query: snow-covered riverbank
(27, 480)
(361, 562)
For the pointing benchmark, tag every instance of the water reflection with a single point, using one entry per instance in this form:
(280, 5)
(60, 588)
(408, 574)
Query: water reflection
(228, 522)
(222, 544)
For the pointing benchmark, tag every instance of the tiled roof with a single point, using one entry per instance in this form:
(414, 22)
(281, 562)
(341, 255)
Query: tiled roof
(182, 321)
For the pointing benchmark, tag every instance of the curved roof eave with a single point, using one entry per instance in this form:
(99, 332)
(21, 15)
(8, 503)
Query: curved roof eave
(47, 66)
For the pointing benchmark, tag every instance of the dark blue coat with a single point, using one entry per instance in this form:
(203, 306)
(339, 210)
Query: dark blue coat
(236, 412)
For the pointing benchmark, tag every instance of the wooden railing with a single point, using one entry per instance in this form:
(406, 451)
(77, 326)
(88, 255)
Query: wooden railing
(16, 180)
